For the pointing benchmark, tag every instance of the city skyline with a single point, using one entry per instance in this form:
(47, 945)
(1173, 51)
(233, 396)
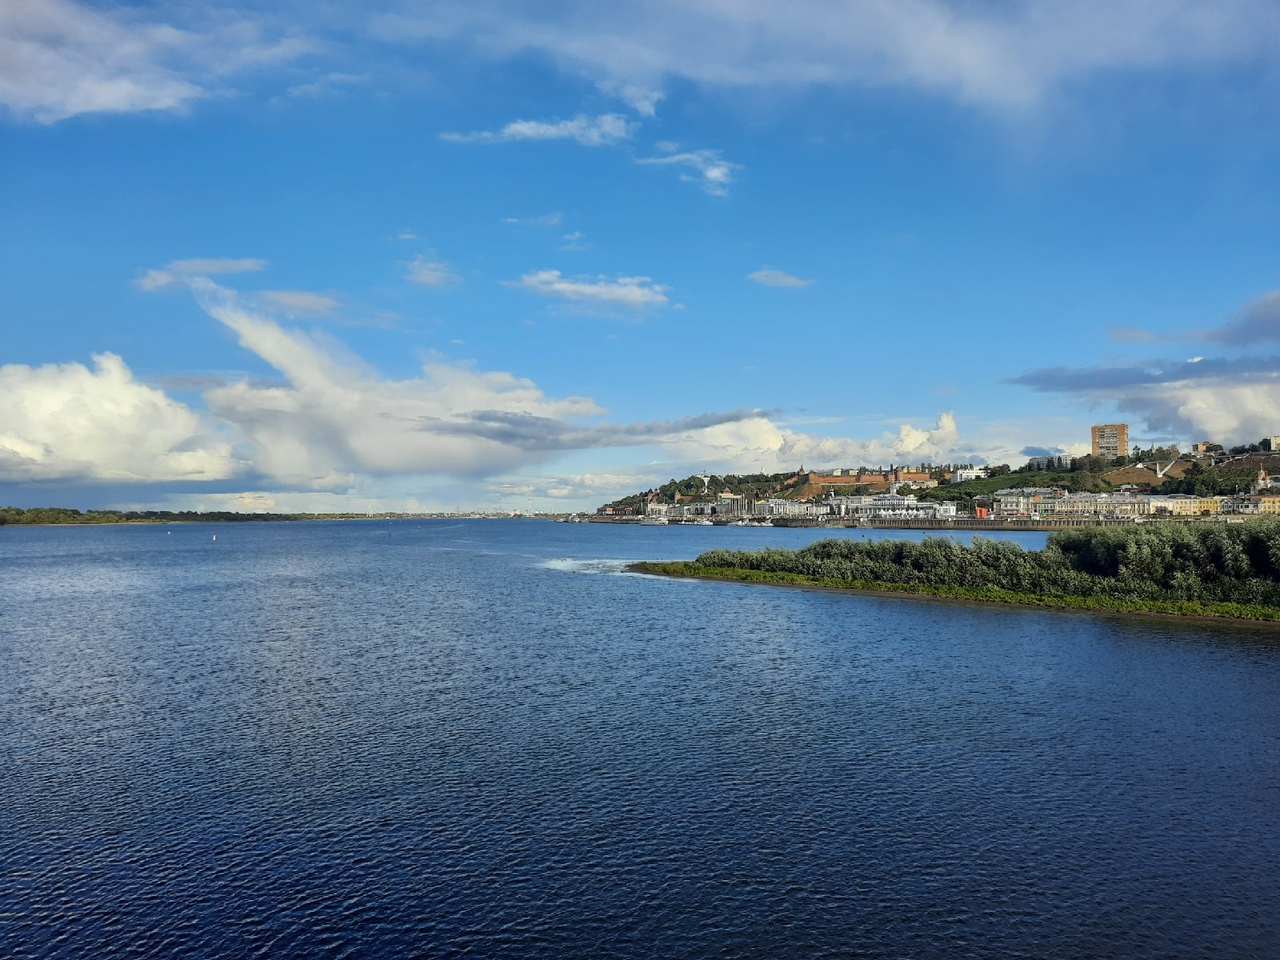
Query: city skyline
(272, 257)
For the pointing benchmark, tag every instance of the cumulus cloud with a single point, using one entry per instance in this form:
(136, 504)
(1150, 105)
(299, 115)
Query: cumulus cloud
(1006, 55)
(300, 301)
(59, 58)
(430, 273)
(69, 421)
(761, 443)
(713, 173)
(633, 293)
(777, 278)
(602, 131)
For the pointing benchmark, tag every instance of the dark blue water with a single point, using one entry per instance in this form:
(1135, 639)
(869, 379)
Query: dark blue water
(479, 738)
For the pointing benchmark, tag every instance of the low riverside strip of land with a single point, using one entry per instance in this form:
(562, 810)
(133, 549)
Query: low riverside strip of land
(1227, 572)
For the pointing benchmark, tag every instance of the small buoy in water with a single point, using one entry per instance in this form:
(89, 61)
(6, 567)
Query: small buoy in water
(215, 536)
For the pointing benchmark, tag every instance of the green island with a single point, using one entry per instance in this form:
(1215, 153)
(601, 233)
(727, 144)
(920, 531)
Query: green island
(1220, 570)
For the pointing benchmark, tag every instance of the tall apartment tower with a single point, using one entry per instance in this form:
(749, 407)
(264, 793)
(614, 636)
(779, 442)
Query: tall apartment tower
(1110, 440)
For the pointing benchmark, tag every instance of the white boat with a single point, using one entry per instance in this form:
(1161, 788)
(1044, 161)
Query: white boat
(647, 521)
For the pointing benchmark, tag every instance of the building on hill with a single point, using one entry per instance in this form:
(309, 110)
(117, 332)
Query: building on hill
(1110, 440)
(848, 477)
(1056, 461)
(961, 474)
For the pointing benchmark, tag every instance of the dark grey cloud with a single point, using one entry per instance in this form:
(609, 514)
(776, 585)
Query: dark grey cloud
(1113, 380)
(530, 432)
(1258, 322)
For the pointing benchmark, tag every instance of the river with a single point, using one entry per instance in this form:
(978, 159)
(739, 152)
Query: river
(446, 738)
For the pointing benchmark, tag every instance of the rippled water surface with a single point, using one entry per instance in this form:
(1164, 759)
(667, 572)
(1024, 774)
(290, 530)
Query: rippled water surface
(484, 738)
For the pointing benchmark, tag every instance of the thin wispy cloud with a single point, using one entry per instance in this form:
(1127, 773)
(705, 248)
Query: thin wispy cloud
(632, 293)
(1010, 55)
(329, 85)
(602, 131)
(642, 99)
(1137, 335)
(430, 272)
(214, 265)
(546, 220)
(300, 301)
(711, 171)
(175, 270)
(769, 277)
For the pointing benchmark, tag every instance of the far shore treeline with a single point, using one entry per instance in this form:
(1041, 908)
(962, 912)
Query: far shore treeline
(1206, 569)
(34, 515)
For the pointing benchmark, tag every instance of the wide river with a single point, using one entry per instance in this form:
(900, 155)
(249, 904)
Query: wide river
(482, 738)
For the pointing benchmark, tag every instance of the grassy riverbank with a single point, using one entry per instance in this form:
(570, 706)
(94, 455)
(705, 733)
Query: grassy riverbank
(1228, 571)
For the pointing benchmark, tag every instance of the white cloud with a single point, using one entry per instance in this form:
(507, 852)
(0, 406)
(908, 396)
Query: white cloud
(68, 421)
(335, 420)
(300, 301)
(602, 131)
(636, 293)
(430, 273)
(760, 443)
(1226, 412)
(155, 280)
(777, 278)
(1006, 55)
(59, 58)
(714, 174)
(574, 241)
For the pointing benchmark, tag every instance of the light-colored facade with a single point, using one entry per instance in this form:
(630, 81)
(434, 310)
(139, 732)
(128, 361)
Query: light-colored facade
(1110, 440)
(1025, 502)
(889, 506)
(1057, 461)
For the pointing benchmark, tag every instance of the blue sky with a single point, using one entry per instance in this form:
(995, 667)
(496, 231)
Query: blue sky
(539, 255)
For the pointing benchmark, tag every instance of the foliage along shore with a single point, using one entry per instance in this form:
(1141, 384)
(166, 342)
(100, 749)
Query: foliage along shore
(1229, 571)
(51, 515)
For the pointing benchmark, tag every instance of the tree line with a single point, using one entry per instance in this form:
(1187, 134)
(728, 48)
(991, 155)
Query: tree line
(1235, 563)
(45, 515)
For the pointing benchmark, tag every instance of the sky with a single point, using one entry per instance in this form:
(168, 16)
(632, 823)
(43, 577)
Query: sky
(509, 255)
